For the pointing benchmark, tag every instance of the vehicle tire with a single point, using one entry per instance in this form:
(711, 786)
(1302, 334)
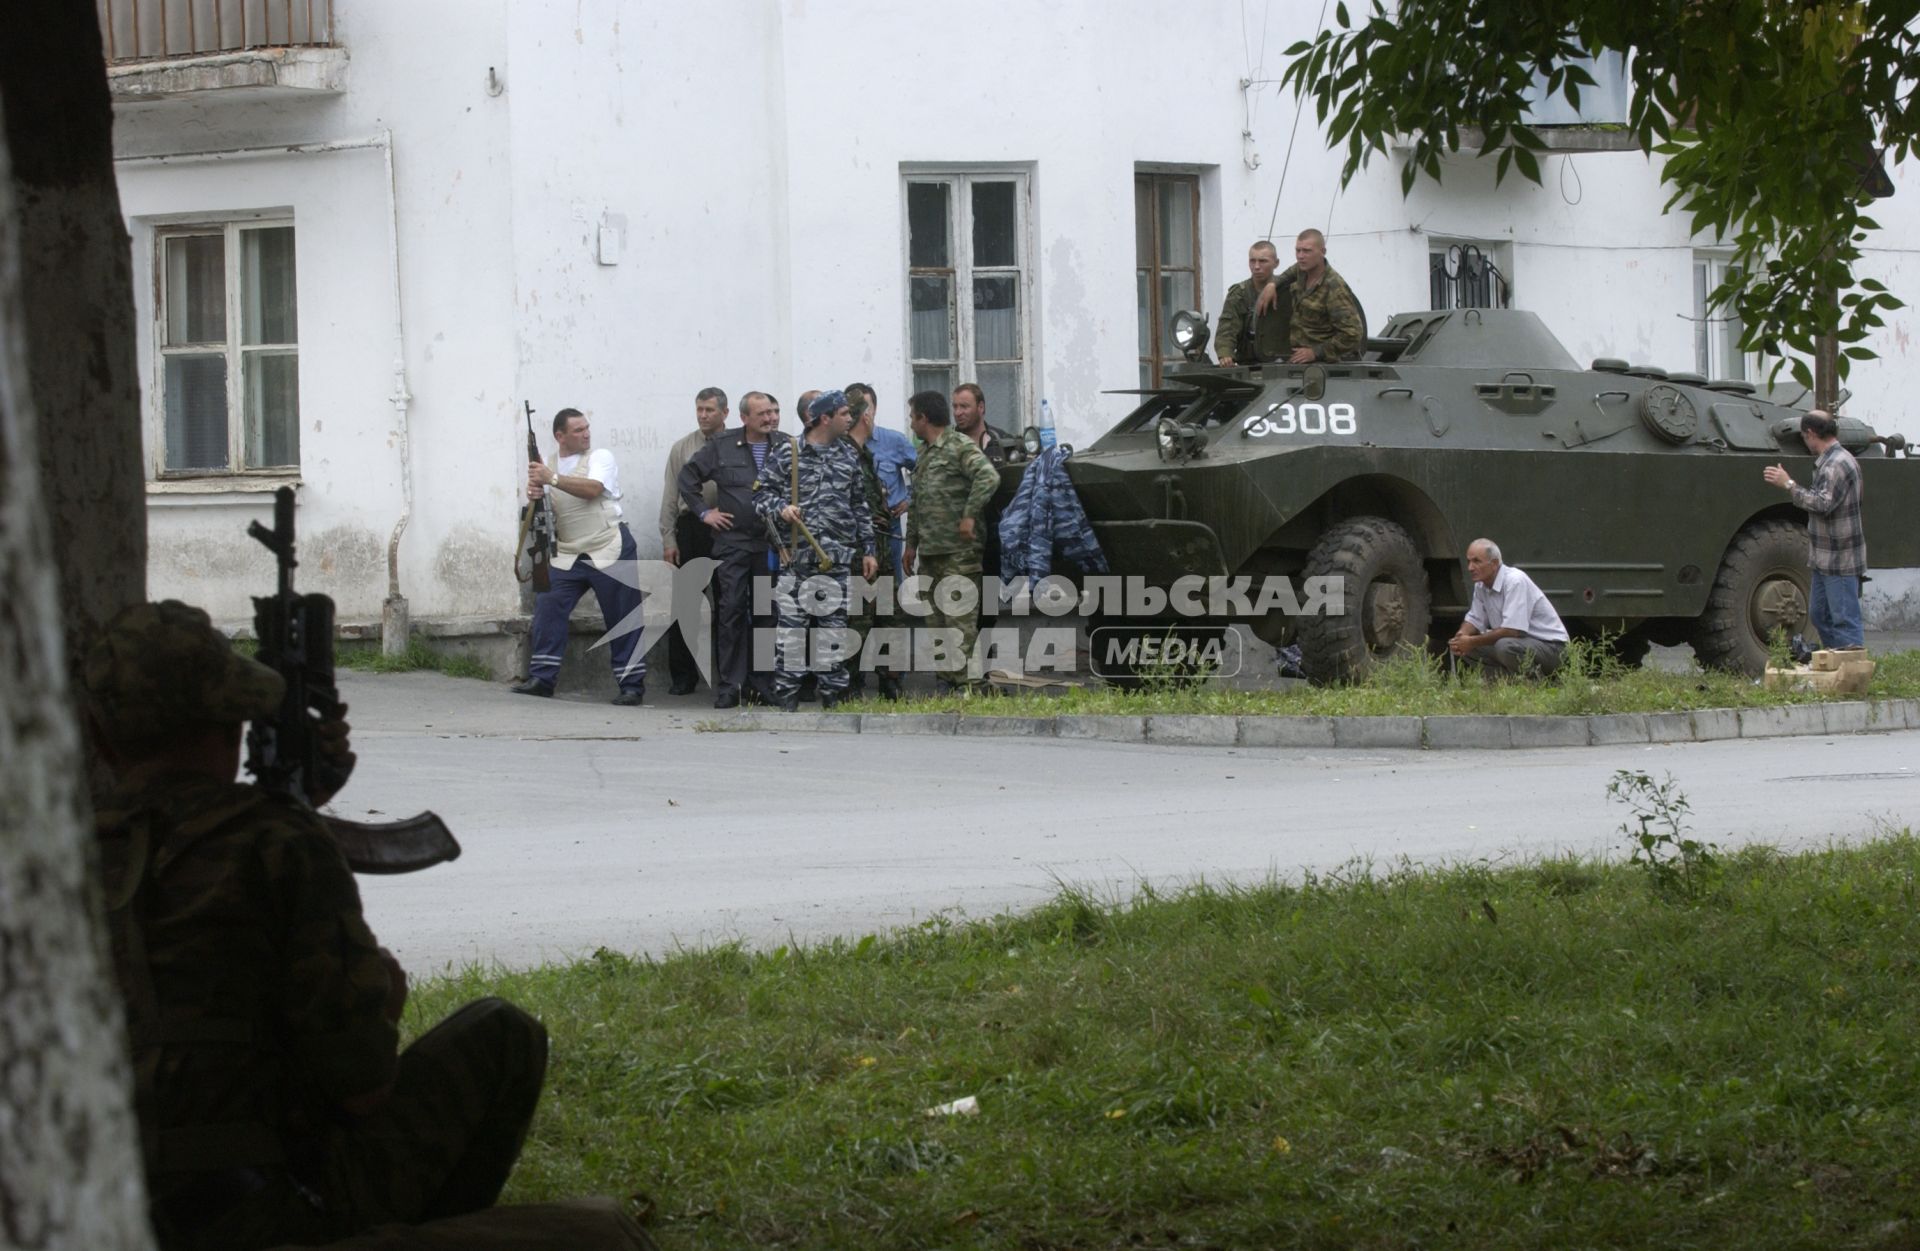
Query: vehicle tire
(1387, 603)
(1762, 585)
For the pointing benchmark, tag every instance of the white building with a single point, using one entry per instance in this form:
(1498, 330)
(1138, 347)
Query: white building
(370, 231)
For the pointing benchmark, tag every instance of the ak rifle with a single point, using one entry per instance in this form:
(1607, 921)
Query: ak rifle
(536, 520)
(295, 634)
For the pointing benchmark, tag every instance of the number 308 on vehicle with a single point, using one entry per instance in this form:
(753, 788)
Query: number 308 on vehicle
(1302, 419)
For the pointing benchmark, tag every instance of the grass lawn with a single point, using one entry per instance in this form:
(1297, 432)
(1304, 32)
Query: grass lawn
(1548, 1056)
(1589, 684)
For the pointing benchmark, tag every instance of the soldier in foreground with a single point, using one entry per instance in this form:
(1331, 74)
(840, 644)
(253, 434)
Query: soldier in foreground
(275, 1105)
(951, 487)
(812, 489)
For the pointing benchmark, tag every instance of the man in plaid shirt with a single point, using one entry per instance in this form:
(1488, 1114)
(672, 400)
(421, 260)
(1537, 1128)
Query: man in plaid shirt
(1837, 543)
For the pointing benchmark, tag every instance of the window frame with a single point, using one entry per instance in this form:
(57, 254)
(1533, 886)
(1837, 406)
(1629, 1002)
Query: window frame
(1711, 326)
(235, 351)
(1497, 251)
(961, 273)
(1157, 317)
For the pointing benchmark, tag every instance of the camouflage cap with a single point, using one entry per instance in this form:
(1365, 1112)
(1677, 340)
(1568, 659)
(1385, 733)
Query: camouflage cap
(160, 666)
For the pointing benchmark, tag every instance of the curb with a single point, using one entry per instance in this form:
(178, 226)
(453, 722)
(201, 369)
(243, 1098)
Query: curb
(1435, 733)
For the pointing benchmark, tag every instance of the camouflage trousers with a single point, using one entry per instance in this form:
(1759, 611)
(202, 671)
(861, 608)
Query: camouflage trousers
(869, 619)
(810, 621)
(441, 1145)
(964, 565)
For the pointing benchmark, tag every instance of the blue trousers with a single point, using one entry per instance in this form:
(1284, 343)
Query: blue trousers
(553, 608)
(1834, 607)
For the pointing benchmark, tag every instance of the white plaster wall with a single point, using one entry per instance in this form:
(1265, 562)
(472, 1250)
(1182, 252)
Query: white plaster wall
(745, 157)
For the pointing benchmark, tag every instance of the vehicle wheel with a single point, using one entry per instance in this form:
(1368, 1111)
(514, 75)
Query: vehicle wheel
(1762, 586)
(1387, 604)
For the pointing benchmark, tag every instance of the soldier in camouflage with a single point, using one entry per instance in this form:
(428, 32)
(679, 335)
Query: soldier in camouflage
(864, 622)
(1240, 320)
(814, 487)
(951, 486)
(274, 1103)
(1323, 322)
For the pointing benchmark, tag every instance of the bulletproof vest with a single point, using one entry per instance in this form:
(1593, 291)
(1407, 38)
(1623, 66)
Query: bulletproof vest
(133, 843)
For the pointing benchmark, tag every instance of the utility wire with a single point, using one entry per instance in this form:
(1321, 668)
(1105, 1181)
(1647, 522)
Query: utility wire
(1298, 110)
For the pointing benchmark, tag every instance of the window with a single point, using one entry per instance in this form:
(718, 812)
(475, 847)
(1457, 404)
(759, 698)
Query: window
(1166, 228)
(229, 348)
(967, 289)
(1467, 274)
(1716, 331)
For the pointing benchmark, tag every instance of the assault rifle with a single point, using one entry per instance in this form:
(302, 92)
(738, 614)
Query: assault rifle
(295, 634)
(536, 518)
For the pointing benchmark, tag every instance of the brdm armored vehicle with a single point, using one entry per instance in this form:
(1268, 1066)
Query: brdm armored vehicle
(1632, 496)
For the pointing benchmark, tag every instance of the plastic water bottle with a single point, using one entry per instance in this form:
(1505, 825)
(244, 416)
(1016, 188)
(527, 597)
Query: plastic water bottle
(1046, 424)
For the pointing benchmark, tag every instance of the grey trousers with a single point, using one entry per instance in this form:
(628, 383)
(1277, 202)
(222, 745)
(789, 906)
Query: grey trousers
(1512, 657)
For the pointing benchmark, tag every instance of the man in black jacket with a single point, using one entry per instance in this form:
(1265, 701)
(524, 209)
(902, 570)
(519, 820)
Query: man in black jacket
(731, 462)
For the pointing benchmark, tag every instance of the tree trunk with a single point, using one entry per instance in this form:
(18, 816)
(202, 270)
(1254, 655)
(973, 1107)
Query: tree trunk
(76, 283)
(70, 1174)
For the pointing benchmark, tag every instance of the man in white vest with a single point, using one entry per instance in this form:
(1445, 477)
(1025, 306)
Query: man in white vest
(584, 484)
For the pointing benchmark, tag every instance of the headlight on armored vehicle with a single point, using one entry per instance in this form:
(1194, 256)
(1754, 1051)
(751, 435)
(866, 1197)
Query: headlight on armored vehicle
(1178, 441)
(1030, 439)
(1190, 333)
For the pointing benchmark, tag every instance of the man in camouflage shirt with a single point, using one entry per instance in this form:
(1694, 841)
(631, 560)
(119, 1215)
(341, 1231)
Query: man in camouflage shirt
(951, 486)
(274, 1103)
(814, 487)
(1324, 321)
(1239, 318)
(863, 623)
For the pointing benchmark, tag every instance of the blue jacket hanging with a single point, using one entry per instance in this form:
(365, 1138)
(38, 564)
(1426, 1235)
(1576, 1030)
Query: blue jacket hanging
(1045, 519)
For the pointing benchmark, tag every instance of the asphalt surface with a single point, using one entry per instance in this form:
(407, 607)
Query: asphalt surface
(587, 826)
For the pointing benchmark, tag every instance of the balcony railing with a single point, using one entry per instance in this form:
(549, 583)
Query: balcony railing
(147, 30)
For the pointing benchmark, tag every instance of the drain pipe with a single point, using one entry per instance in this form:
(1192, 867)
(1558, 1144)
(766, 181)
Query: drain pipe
(395, 625)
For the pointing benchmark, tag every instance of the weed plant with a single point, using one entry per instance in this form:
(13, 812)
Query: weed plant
(1548, 1055)
(418, 656)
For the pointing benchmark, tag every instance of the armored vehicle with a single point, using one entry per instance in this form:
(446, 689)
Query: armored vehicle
(1632, 496)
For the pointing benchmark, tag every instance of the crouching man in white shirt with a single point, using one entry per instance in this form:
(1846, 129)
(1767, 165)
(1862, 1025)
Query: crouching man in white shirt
(1510, 627)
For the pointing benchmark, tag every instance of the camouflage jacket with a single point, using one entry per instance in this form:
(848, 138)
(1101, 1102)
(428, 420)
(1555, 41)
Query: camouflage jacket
(832, 498)
(1043, 517)
(876, 506)
(1236, 313)
(953, 479)
(256, 994)
(1326, 318)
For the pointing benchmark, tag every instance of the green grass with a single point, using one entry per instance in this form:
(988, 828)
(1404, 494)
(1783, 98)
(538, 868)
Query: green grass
(1551, 1055)
(1420, 686)
(418, 656)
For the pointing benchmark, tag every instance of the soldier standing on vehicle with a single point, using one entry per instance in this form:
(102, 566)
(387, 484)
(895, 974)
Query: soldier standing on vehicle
(1322, 318)
(813, 489)
(1837, 542)
(275, 1104)
(1244, 336)
(1510, 628)
(682, 537)
(951, 486)
(584, 484)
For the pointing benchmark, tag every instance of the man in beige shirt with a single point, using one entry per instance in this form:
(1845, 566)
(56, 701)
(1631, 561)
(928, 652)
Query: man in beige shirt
(682, 535)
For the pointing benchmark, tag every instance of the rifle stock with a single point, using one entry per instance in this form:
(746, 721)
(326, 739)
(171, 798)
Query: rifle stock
(284, 754)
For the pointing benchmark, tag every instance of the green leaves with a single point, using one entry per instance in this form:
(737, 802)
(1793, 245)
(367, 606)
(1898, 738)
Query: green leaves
(1752, 105)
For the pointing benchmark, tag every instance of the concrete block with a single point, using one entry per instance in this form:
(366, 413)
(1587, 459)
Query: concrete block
(1005, 727)
(1193, 731)
(787, 722)
(1377, 732)
(908, 722)
(839, 722)
(1286, 731)
(1613, 729)
(1530, 731)
(1106, 728)
(1454, 733)
(1716, 723)
(1891, 714)
(1670, 727)
(1776, 722)
(1847, 718)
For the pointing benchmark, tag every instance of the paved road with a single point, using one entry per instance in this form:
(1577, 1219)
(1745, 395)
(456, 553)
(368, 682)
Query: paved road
(586, 825)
